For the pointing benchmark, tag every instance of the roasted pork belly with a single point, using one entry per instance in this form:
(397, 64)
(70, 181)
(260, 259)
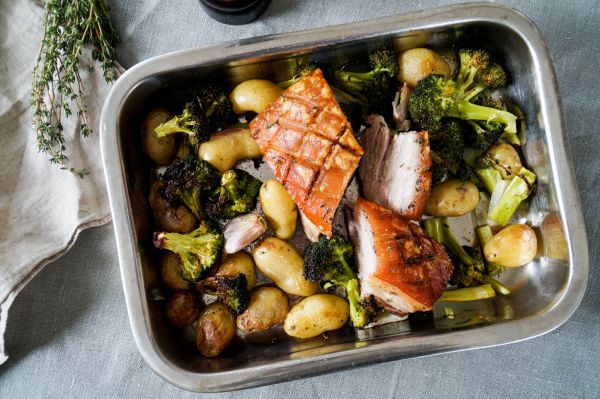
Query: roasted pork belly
(398, 263)
(310, 146)
(395, 169)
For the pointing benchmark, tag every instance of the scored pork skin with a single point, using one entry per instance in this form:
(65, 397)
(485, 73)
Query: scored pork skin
(398, 263)
(395, 168)
(310, 146)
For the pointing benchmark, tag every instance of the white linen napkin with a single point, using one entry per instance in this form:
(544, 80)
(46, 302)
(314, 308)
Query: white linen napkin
(42, 208)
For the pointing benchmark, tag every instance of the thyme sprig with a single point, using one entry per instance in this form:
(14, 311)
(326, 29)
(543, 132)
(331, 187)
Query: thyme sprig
(57, 88)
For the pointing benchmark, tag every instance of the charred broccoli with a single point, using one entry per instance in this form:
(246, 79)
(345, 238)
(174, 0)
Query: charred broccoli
(375, 88)
(301, 70)
(477, 73)
(469, 269)
(185, 181)
(235, 196)
(231, 291)
(199, 250)
(437, 97)
(207, 109)
(446, 144)
(327, 261)
(483, 135)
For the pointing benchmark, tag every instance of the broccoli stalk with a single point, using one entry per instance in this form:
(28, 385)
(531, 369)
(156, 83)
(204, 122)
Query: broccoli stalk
(185, 181)
(207, 109)
(327, 261)
(236, 195)
(437, 97)
(508, 195)
(484, 291)
(230, 291)
(199, 250)
(484, 234)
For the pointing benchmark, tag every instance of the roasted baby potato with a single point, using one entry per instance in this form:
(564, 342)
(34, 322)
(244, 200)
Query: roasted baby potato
(160, 150)
(505, 159)
(452, 198)
(170, 271)
(234, 264)
(513, 246)
(267, 308)
(253, 95)
(226, 148)
(280, 262)
(315, 315)
(173, 220)
(183, 308)
(279, 208)
(215, 329)
(417, 63)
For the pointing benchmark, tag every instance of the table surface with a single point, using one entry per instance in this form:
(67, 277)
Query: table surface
(68, 331)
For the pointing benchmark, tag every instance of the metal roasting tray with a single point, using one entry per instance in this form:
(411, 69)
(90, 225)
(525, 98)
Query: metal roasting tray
(545, 292)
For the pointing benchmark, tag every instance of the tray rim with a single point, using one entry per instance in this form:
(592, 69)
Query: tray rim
(486, 336)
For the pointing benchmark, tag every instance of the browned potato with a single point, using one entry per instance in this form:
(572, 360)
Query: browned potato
(239, 262)
(215, 329)
(505, 159)
(267, 308)
(417, 63)
(160, 150)
(280, 262)
(279, 208)
(513, 246)
(226, 148)
(254, 95)
(183, 309)
(316, 314)
(170, 271)
(174, 220)
(452, 198)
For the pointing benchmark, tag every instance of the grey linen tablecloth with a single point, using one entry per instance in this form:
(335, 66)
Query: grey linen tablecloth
(68, 334)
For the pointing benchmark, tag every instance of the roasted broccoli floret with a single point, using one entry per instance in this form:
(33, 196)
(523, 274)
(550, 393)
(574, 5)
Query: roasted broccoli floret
(375, 88)
(185, 181)
(469, 269)
(492, 77)
(230, 291)
(235, 196)
(199, 250)
(437, 97)
(483, 135)
(328, 261)
(446, 144)
(472, 62)
(491, 102)
(301, 70)
(206, 110)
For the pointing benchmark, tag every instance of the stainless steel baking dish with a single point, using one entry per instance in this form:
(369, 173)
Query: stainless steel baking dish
(545, 293)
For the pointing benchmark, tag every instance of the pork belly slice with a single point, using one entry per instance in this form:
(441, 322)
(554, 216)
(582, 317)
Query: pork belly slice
(310, 146)
(398, 263)
(395, 169)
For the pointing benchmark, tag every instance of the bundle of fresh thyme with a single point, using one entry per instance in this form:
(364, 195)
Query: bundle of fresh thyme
(57, 89)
